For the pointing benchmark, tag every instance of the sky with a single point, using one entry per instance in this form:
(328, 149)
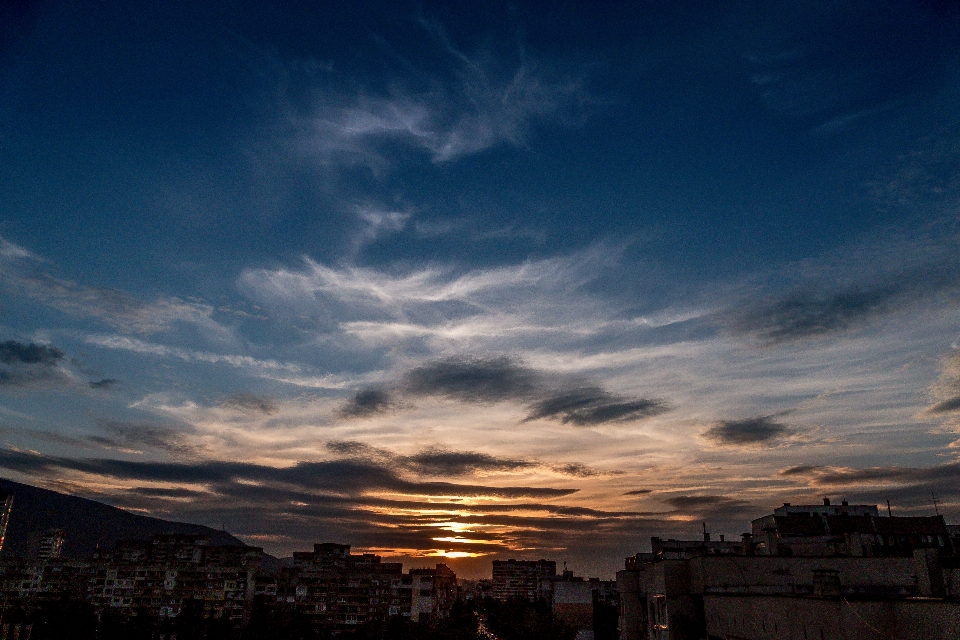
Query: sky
(460, 281)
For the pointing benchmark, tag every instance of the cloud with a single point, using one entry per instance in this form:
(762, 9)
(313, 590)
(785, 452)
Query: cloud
(824, 308)
(134, 436)
(166, 492)
(356, 448)
(851, 476)
(436, 461)
(442, 309)
(576, 470)
(490, 380)
(10, 253)
(444, 462)
(366, 403)
(705, 504)
(761, 430)
(591, 406)
(12, 352)
(486, 103)
(473, 379)
(638, 492)
(947, 406)
(405, 293)
(947, 387)
(270, 369)
(806, 314)
(253, 403)
(23, 364)
(376, 223)
(103, 383)
(344, 477)
(125, 312)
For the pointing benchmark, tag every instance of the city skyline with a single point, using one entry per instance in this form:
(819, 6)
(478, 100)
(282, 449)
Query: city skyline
(456, 283)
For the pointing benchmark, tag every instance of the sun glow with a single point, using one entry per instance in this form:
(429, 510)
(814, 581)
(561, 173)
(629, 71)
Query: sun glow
(458, 527)
(459, 540)
(442, 553)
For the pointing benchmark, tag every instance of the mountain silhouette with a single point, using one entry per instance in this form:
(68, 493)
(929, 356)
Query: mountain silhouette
(87, 524)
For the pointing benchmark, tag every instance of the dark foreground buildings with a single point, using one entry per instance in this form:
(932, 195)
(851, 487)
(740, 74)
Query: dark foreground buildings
(813, 572)
(173, 575)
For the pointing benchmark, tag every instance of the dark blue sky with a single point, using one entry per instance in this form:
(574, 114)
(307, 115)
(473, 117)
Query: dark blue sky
(514, 237)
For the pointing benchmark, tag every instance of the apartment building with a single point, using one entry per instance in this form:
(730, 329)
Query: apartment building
(810, 572)
(523, 579)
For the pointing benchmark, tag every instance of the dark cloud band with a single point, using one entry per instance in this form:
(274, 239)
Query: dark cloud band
(501, 379)
(347, 477)
(762, 430)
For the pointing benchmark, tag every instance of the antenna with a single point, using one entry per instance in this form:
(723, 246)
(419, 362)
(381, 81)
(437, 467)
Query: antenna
(889, 513)
(936, 506)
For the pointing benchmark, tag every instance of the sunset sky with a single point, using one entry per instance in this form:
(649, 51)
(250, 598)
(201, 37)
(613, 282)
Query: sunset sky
(457, 281)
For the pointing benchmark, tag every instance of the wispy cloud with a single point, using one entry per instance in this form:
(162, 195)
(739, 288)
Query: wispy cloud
(486, 103)
(254, 403)
(707, 505)
(850, 476)
(947, 388)
(133, 437)
(248, 363)
(21, 271)
(374, 223)
(443, 306)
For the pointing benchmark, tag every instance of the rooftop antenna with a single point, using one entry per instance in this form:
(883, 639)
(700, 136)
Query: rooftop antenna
(936, 507)
(889, 513)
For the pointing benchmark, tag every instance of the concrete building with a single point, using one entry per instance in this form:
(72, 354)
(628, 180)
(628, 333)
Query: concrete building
(432, 593)
(588, 605)
(338, 590)
(6, 506)
(334, 588)
(160, 578)
(847, 530)
(810, 572)
(51, 544)
(523, 579)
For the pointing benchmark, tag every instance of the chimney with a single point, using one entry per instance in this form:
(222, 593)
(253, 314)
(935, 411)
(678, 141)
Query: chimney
(826, 502)
(721, 537)
(844, 503)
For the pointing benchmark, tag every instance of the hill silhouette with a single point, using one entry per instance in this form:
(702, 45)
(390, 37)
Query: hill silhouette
(87, 524)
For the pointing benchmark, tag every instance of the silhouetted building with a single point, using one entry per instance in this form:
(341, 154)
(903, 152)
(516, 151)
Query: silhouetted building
(338, 590)
(425, 594)
(588, 605)
(161, 577)
(521, 579)
(6, 506)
